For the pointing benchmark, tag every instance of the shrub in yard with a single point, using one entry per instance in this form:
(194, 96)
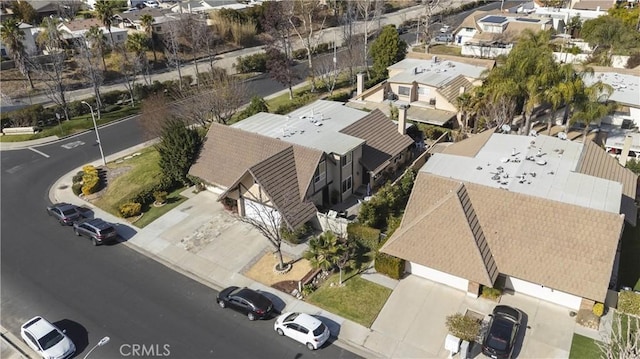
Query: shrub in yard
(76, 188)
(160, 196)
(463, 327)
(77, 177)
(90, 180)
(145, 195)
(389, 265)
(251, 63)
(296, 236)
(629, 302)
(491, 293)
(340, 97)
(112, 108)
(598, 309)
(130, 209)
(367, 236)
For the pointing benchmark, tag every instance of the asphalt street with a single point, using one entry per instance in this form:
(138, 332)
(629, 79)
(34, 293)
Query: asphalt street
(110, 290)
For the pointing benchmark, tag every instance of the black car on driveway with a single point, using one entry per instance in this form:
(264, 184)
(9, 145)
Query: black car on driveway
(502, 333)
(246, 301)
(65, 213)
(97, 230)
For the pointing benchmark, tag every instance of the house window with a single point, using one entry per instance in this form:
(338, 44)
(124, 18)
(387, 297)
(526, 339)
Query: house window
(321, 172)
(424, 91)
(404, 90)
(158, 28)
(345, 160)
(346, 185)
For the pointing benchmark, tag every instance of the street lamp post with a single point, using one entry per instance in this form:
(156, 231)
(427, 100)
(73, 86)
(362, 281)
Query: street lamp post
(95, 126)
(102, 342)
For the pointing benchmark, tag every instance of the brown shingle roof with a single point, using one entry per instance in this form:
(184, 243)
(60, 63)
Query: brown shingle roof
(275, 176)
(596, 162)
(470, 146)
(558, 245)
(382, 139)
(82, 24)
(594, 4)
(451, 90)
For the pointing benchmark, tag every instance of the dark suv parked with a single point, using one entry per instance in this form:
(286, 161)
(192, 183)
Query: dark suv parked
(95, 229)
(65, 213)
(502, 333)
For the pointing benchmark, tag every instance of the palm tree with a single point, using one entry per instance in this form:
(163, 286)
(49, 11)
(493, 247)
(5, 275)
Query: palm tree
(13, 37)
(592, 104)
(147, 22)
(98, 42)
(105, 10)
(465, 103)
(322, 250)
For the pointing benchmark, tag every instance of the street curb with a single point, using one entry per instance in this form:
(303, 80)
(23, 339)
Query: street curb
(14, 342)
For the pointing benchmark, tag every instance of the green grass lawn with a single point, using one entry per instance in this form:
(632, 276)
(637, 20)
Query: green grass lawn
(74, 125)
(583, 348)
(358, 300)
(629, 272)
(173, 199)
(138, 173)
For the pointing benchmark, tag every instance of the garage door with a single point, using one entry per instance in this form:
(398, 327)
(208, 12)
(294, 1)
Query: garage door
(542, 292)
(437, 276)
(260, 212)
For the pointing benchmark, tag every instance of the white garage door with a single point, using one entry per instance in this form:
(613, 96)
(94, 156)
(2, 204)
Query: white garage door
(437, 276)
(542, 292)
(260, 212)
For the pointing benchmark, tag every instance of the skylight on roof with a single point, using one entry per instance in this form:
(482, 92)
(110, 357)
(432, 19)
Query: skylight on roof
(493, 19)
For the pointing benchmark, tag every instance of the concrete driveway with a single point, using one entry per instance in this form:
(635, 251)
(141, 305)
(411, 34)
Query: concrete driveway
(414, 316)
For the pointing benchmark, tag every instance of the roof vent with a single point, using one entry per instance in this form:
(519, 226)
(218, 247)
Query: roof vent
(505, 128)
(562, 135)
(533, 133)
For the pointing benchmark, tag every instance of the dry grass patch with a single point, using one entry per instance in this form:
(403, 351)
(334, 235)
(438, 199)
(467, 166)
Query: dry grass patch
(262, 271)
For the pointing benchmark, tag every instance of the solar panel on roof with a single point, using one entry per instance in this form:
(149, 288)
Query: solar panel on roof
(523, 19)
(494, 19)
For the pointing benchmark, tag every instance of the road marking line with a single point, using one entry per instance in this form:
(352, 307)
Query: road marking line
(39, 152)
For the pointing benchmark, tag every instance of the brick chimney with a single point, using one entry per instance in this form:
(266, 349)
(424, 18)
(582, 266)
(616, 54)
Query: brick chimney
(360, 83)
(625, 150)
(402, 119)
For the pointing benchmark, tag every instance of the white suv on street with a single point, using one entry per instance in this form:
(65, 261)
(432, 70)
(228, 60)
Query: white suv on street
(46, 339)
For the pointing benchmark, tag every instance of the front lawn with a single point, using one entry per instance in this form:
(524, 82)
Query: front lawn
(358, 300)
(584, 348)
(128, 178)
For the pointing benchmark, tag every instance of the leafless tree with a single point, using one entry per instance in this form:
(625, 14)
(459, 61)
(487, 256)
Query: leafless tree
(625, 339)
(155, 112)
(307, 13)
(279, 49)
(52, 71)
(353, 44)
(327, 70)
(89, 65)
(267, 221)
(370, 12)
(68, 9)
(497, 112)
(193, 32)
(219, 98)
(430, 8)
(130, 67)
(171, 40)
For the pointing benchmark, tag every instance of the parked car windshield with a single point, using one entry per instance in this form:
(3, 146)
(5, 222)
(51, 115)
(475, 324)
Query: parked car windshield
(51, 339)
(69, 212)
(291, 317)
(500, 334)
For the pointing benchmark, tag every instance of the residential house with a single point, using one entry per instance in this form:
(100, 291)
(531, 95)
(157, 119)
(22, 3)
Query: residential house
(28, 42)
(533, 215)
(204, 6)
(77, 29)
(131, 19)
(316, 156)
(428, 87)
(487, 34)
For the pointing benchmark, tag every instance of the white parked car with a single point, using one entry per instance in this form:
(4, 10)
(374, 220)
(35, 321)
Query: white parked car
(151, 4)
(46, 339)
(445, 28)
(302, 328)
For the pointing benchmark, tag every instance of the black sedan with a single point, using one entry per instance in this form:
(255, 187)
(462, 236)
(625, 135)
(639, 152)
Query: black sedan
(246, 301)
(65, 213)
(502, 333)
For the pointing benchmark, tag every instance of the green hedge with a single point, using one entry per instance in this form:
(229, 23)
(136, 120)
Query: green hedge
(364, 235)
(629, 302)
(251, 63)
(389, 265)
(147, 195)
(77, 188)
